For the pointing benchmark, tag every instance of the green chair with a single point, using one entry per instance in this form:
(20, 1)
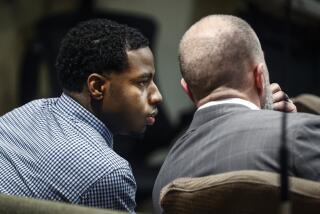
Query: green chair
(21, 205)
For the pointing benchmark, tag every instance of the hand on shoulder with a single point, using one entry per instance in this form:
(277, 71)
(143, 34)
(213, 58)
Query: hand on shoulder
(281, 101)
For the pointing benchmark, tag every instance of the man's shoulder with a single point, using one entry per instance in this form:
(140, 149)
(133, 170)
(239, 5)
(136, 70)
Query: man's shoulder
(32, 106)
(249, 123)
(293, 120)
(269, 116)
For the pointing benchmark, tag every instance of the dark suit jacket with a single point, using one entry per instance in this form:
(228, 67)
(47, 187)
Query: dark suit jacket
(231, 137)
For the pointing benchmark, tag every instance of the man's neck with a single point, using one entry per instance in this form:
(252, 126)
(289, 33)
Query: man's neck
(81, 98)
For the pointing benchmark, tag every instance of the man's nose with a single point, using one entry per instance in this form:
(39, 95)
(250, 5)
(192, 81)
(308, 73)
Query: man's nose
(155, 95)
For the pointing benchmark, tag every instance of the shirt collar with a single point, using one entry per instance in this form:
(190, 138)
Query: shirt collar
(72, 108)
(239, 101)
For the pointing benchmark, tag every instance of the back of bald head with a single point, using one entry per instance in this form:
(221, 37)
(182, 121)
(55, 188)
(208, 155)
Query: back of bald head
(216, 52)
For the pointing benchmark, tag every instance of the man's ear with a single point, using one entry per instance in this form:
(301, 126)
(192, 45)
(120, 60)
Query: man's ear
(259, 79)
(186, 89)
(97, 84)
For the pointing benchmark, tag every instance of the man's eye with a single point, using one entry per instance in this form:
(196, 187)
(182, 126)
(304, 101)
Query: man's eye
(143, 83)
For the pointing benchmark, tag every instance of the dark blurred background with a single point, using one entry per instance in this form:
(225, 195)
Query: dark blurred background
(30, 33)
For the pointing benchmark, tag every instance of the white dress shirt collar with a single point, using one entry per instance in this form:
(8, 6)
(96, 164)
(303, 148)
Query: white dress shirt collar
(231, 101)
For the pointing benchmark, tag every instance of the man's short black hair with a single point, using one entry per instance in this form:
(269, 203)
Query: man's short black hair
(95, 46)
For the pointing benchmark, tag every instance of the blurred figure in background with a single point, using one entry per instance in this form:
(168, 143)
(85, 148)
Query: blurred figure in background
(308, 103)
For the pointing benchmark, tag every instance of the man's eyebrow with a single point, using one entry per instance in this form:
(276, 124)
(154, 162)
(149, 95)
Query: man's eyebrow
(146, 75)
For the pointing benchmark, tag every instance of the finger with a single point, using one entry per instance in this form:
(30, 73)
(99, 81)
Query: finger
(275, 87)
(284, 106)
(279, 96)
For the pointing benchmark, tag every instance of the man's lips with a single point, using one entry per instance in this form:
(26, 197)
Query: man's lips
(151, 118)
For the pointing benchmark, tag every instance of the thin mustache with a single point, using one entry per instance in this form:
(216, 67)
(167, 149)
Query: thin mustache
(154, 112)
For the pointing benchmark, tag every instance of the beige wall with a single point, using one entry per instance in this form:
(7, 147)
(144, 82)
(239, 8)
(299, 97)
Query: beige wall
(12, 37)
(17, 19)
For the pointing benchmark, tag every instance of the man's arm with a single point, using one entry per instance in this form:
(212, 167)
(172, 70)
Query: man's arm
(281, 101)
(305, 141)
(114, 191)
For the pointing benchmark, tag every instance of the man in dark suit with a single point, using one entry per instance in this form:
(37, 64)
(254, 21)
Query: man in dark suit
(225, 75)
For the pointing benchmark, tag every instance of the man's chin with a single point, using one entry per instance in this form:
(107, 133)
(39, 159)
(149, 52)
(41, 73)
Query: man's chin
(137, 133)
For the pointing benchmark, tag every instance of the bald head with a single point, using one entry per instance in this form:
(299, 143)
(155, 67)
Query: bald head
(216, 52)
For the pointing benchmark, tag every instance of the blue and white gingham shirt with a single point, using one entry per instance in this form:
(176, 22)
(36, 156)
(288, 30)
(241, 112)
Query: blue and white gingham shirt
(55, 149)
